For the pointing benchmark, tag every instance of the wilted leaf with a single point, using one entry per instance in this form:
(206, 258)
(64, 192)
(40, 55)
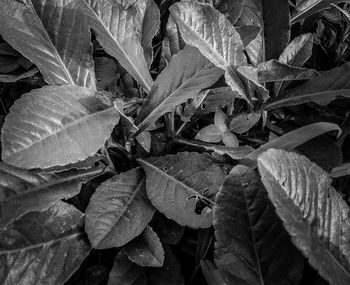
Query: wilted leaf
(118, 211)
(118, 29)
(174, 183)
(207, 29)
(187, 73)
(292, 139)
(312, 211)
(210, 133)
(330, 85)
(56, 125)
(125, 272)
(251, 245)
(296, 54)
(43, 247)
(54, 35)
(40, 197)
(146, 249)
(244, 122)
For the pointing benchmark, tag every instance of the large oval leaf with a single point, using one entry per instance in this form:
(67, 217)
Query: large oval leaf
(252, 247)
(204, 27)
(43, 247)
(52, 34)
(312, 211)
(176, 184)
(118, 29)
(187, 73)
(118, 211)
(56, 125)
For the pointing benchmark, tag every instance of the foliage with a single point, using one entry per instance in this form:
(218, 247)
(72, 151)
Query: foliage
(175, 141)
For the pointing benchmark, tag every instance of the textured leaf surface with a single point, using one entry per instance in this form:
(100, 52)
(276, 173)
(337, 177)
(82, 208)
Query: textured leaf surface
(56, 125)
(244, 122)
(187, 73)
(210, 133)
(43, 247)
(119, 31)
(171, 181)
(330, 85)
(40, 196)
(312, 211)
(54, 35)
(118, 211)
(232, 9)
(207, 29)
(146, 249)
(252, 247)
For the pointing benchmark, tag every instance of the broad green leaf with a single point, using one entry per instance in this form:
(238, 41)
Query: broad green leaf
(126, 272)
(292, 139)
(252, 247)
(312, 211)
(210, 133)
(207, 29)
(54, 35)
(41, 196)
(119, 31)
(146, 249)
(118, 211)
(274, 70)
(43, 247)
(56, 125)
(175, 183)
(187, 73)
(244, 122)
(330, 85)
(295, 54)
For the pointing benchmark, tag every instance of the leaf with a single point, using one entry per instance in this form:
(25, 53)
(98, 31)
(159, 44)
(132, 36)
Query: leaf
(56, 125)
(330, 85)
(220, 120)
(187, 73)
(118, 211)
(210, 133)
(296, 54)
(8, 64)
(54, 35)
(292, 139)
(229, 139)
(43, 247)
(341, 170)
(248, 33)
(244, 122)
(171, 181)
(125, 272)
(273, 70)
(40, 197)
(106, 71)
(232, 9)
(211, 273)
(10, 78)
(146, 249)
(251, 245)
(118, 30)
(168, 231)
(312, 211)
(207, 29)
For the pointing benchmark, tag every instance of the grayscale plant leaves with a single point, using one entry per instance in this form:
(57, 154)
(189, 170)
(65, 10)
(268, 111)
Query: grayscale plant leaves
(54, 35)
(312, 211)
(175, 183)
(43, 247)
(118, 203)
(252, 247)
(118, 30)
(56, 125)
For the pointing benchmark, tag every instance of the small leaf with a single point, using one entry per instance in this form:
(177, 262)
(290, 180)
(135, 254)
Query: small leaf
(252, 247)
(56, 125)
(210, 133)
(230, 140)
(312, 211)
(146, 249)
(215, 37)
(220, 120)
(118, 211)
(43, 247)
(118, 30)
(244, 122)
(53, 35)
(187, 73)
(330, 85)
(174, 183)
